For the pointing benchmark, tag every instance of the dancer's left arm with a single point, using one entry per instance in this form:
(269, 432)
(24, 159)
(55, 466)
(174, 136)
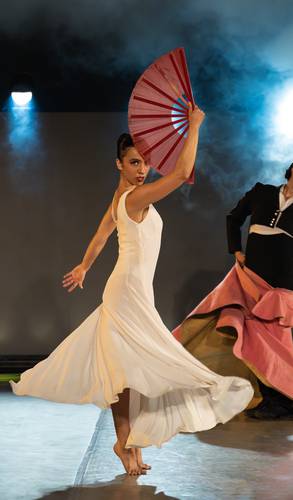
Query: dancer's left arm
(76, 277)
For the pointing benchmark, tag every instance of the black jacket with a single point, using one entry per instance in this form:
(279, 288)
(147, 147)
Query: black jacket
(262, 203)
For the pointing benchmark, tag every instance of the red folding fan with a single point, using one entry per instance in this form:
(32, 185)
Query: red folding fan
(158, 111)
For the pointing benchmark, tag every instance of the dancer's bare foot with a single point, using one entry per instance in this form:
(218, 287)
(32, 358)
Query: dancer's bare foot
(128, 459)
(140, 460)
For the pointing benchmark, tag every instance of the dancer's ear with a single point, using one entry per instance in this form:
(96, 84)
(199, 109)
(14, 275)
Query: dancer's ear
(118, 164)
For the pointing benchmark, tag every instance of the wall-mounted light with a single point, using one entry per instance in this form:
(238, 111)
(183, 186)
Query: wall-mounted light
(21, 90)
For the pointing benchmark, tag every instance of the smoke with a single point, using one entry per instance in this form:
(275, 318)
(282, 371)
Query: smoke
(128, 34)
(239, 54)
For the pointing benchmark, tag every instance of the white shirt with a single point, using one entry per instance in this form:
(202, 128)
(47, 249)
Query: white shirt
(266, 230)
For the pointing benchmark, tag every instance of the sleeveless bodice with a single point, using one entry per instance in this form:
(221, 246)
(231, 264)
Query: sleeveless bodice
(139, 247)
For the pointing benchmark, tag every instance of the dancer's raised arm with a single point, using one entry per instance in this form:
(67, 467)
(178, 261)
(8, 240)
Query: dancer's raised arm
(76, 277)
(142, 196)
(132, 172)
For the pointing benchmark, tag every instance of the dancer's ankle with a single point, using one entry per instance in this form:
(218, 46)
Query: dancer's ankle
(121, 444)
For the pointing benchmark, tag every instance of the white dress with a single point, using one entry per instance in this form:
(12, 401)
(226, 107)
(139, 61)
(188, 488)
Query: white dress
(124, 343)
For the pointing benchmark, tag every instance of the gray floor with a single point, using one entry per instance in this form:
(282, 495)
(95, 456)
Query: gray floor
(69, 457)
(41, 444)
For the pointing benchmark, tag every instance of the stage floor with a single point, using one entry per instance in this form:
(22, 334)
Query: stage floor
(56, 451)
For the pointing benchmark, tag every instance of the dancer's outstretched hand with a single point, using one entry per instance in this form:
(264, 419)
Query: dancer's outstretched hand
(74, 278)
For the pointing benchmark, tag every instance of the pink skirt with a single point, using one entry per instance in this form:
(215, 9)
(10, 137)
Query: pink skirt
(257, 317)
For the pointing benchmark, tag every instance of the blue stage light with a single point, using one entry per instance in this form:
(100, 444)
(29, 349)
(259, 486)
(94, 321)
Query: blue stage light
(21, 98)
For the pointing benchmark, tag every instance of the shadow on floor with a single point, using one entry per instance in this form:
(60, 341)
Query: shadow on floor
(266, 436)
(121, 488)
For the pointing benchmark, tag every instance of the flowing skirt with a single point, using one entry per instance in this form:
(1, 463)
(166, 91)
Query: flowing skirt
(125, 344)
(243, 328)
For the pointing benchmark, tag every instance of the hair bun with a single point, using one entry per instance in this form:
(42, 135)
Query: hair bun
(123, 143)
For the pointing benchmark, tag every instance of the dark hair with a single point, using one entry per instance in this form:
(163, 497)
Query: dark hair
(289, 172)
(123, 143)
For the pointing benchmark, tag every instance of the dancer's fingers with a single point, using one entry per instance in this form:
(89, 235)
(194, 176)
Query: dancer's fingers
(72, 287)
(67, 280)
(68, 274)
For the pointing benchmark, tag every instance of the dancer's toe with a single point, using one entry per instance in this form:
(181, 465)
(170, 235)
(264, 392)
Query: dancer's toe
(129, 460)
(134, 468)
(140, 462)
(145, 466)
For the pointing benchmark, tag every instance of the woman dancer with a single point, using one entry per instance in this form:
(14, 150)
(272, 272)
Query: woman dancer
(243, 327)
(269, 253)
(122, 355)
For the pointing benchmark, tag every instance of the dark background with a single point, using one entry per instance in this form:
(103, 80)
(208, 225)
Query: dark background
(53, 200)
(57, 162)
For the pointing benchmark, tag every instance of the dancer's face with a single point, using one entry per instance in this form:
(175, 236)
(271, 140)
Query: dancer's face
(133, 167)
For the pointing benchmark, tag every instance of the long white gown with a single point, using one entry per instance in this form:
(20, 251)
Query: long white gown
(124, 343)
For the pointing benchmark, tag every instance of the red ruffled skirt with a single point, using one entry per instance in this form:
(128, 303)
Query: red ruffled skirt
(255, 321)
